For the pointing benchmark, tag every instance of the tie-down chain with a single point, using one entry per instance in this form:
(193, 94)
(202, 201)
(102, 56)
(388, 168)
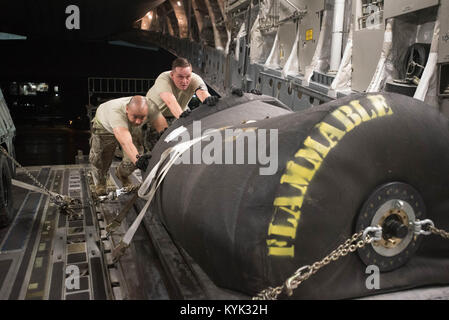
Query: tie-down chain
(356, 241)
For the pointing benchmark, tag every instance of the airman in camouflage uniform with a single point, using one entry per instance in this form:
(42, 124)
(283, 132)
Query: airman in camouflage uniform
(171, 94)
(118, 121)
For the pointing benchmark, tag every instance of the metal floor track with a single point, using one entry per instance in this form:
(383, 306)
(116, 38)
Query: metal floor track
(45, 254)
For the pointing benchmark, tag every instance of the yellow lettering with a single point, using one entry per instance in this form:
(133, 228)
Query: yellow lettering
(380, 105)
(362, 112)
(318, 147)
(283, 230)
(297, 174)
(288, 201)
(310, 155)
(278, 248)
(286, 251)
(299, 177)
(294, 222)
(332, 134)
(353, 115)
(343, 117)
(286, 231)
(302, 188)
(349, 117)
(274, 242)
(294, 213)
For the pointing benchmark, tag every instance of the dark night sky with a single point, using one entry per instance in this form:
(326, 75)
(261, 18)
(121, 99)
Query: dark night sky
(70, 63)
(56, 58)
(67, 64)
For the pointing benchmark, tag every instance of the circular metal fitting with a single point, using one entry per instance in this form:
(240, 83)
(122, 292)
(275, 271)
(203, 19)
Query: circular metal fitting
(394, 207)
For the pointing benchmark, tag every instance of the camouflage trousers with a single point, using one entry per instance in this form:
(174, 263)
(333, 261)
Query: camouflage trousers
(152, 136)
(102, 149)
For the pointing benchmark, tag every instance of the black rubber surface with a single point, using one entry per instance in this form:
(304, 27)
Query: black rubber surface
(4, 268)
(249, 231)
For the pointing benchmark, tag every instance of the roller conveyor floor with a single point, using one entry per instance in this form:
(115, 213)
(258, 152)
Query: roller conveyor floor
(42, 248)
(45, 254)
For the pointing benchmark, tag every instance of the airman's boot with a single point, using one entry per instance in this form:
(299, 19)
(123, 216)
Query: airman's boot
(126, 182)
(100, 187)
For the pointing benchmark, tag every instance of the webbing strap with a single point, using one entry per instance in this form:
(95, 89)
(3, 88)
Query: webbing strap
(152, 182)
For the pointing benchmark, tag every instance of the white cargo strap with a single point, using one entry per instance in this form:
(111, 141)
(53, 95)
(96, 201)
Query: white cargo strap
(30, 187)
(155, 178)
